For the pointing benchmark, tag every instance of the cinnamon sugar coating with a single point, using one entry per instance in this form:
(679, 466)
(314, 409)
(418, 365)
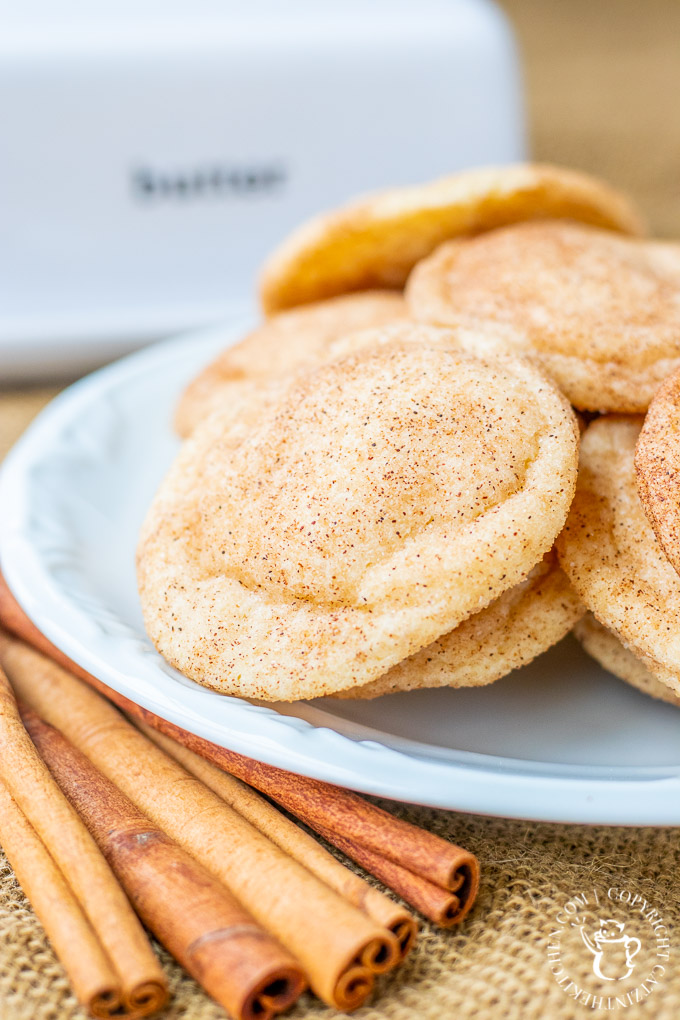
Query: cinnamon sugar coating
(515, 628)
(285, 343)
(613, 655)
(611, 556)
(598, 312)
(375, 240)
(372, 505)
(657, 464)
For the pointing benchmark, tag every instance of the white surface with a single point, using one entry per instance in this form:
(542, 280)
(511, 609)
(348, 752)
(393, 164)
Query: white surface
(153, 154)
(558, 740)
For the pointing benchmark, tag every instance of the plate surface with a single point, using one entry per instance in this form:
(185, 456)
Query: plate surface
(559, 740)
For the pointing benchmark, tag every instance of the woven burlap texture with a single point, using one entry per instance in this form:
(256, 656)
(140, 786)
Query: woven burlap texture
(496, 965)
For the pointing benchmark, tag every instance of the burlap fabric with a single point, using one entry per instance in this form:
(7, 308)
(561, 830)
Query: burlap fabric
(496, 965)
(602, 80)
(600, 77)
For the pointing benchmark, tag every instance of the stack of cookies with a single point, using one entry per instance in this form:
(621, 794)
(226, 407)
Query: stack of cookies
(379, 487)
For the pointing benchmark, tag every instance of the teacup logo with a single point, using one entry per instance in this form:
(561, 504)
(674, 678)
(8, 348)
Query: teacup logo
(608, 948)
(612, 950)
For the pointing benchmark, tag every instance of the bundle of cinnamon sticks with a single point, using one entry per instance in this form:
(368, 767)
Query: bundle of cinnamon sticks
(94, 802)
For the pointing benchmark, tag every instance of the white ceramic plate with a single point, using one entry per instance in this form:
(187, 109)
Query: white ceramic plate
(559, 740)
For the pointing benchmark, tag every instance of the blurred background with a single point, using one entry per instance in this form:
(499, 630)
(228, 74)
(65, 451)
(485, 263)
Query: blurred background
(154, 152)
(601, 80)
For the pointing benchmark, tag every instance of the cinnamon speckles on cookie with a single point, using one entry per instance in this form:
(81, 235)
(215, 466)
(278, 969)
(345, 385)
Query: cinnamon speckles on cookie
(286, 343)
(599, 312)
(657, 465)
(611, 556)
(375, 241)
(516, 627)
(374, 475)
(612, 655)
(375, 504)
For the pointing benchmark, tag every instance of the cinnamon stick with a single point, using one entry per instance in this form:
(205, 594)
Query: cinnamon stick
(339, 947)
(143, 987)
(206, 929)
(95, 983)
(294, 840)
(442, 906)
(323, 807)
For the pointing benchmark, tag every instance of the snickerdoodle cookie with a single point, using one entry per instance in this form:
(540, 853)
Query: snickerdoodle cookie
(374, 505)
(376, 240)
(612, 655)
(515, 628)
(599, 312)
(657, 462)
(611, 556)
(285, 343)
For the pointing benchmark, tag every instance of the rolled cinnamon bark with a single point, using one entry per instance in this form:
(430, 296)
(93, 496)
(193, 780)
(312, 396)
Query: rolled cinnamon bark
(142, 981)
(206, 929)
(326, 808)
(94, 981)
(442, 906)
(339, 947)
(320, 805)
(291, 838)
